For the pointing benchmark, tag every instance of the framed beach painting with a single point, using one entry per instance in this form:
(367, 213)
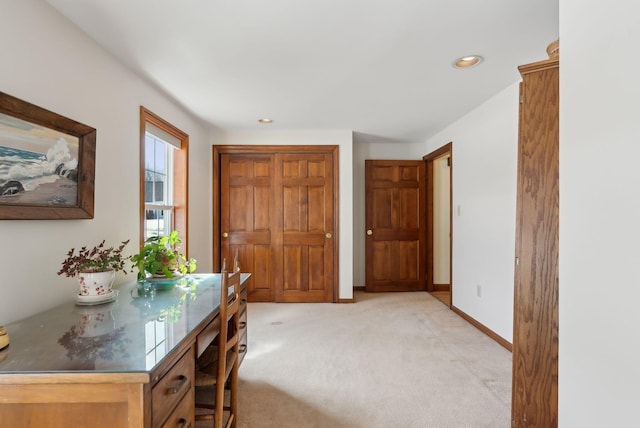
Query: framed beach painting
(47, 163)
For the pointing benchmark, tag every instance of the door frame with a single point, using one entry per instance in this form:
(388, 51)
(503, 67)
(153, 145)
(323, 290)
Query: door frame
(447, 149)
(219, 150)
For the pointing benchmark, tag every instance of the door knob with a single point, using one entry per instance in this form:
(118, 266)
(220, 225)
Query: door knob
(328, 235)
(225, 235)
(369, 232)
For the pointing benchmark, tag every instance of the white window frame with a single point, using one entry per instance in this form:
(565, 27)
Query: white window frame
(177, 174)
(168, 189)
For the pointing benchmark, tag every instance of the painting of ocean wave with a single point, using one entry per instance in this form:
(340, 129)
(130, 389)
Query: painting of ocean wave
(38, 165)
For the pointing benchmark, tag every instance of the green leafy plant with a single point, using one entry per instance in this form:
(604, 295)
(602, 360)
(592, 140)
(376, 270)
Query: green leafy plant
(96, 259)
(160, 256)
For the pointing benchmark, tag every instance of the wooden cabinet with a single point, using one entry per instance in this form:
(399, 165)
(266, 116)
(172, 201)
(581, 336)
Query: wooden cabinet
(535, 334)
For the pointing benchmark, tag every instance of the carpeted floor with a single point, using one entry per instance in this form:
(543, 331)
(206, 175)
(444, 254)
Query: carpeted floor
(389, 360)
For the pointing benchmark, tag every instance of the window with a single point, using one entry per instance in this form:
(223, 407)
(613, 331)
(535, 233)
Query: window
(163, 177)
(158, 186)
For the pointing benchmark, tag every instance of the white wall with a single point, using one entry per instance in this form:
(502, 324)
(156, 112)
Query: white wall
(344, 140)
(363, 150)
(484, 157)
(599, 214)
(48, 62)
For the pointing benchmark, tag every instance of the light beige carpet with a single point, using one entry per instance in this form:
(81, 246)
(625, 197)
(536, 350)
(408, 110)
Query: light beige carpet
(389, 360)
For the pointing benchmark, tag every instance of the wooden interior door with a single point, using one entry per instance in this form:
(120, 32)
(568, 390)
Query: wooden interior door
(395, 236)
(305, 227)
(277, 206)
(246, 219)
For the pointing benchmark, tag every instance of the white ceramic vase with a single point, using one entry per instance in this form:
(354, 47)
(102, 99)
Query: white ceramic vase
(96, 283)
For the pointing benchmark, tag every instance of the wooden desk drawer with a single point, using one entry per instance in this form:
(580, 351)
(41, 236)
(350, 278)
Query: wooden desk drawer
(169, 390)
(243, 299)
(243, 335)
(183, 416)
(243, 324)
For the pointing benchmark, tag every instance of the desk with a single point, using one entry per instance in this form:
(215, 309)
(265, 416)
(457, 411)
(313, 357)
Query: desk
(128, 363)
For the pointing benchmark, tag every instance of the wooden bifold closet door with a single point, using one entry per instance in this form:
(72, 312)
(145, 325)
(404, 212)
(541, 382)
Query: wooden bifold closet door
(276, 208)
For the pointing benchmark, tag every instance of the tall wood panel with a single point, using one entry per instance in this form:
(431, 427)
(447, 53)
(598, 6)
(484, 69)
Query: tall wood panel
(535, 335)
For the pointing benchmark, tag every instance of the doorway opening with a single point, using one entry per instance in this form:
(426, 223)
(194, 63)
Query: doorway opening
(439, 171)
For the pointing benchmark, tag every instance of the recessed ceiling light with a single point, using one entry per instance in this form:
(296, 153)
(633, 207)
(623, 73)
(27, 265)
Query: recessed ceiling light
(265, 120)
(467, 61)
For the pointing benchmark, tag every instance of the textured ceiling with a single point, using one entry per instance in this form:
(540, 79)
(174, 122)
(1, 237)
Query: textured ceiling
(380, 68)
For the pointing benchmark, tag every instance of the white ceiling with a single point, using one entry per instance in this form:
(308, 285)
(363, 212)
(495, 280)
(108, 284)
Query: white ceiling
(380, 68)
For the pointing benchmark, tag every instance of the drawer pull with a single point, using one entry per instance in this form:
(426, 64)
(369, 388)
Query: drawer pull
(243, 325)
(175, 389)
(183, 423)
(242, 349)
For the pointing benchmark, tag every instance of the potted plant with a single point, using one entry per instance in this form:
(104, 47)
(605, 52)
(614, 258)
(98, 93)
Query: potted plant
(160, 257)
(95, 267)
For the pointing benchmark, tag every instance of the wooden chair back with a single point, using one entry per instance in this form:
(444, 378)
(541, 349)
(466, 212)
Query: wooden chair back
(226, 372)
(228, 347)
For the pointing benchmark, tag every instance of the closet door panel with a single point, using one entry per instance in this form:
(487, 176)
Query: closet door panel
(304, 196)
(246, 217)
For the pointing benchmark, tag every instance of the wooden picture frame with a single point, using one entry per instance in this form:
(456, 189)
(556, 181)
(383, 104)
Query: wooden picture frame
(47, 164)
